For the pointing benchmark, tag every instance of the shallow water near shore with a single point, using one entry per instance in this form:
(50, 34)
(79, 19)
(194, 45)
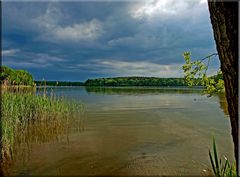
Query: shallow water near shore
(132, 131)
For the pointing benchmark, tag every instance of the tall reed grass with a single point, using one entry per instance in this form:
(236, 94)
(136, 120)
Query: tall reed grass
(38, 116)
(220, 167)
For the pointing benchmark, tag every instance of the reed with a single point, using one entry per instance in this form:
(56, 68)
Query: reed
(221, 168)
(24, 112)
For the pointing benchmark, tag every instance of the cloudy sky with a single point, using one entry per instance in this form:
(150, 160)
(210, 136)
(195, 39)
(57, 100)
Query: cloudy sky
(79, 40)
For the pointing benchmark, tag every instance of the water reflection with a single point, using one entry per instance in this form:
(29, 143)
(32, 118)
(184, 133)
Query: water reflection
(223, 103)
(155, 90)
(143, 90)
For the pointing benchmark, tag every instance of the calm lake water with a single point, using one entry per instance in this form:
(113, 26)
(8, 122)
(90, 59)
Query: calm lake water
(132, 131)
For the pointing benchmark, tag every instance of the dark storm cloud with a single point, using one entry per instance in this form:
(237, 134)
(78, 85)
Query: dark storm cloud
(78, 40)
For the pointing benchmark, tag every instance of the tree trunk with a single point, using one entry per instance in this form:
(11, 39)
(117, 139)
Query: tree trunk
(224, 19)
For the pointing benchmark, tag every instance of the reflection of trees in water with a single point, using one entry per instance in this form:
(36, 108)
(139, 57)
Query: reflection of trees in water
(223, 103)
(142, 90)
(155, 90)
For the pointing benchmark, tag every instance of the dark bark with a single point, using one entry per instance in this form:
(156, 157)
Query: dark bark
(224, 19)
(1, 159)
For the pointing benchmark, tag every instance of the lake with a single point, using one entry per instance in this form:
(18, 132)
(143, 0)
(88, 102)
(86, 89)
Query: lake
(131, 131)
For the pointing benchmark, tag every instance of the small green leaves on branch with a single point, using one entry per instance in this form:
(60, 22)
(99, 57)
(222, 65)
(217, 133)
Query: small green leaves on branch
(195, 74)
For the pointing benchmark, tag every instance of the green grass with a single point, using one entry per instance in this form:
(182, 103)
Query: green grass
(31, 117)
(221, 168)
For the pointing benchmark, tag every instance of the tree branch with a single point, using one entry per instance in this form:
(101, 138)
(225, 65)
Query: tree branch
(209, 56)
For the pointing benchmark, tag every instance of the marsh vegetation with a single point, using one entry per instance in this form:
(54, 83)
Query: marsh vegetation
(29, 118)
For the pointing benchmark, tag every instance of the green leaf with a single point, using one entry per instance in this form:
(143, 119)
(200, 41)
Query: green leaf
(225, 166)
(215, 156)
(212, 163)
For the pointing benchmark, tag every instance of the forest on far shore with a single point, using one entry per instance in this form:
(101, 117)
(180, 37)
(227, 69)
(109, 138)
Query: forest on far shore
(119, 82)
(136, 81)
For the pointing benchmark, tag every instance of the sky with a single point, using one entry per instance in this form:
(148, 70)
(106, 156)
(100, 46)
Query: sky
(74, 41)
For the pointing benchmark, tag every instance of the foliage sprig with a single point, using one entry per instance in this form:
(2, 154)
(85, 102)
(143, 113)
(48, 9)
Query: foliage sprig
(195, 73)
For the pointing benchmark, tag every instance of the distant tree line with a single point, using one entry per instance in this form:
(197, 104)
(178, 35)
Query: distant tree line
(58, 83)
(136, 81)
(10, 76)
(119, 81)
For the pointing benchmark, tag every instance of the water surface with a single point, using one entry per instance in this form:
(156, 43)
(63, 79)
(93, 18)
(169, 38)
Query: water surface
(133, 131)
